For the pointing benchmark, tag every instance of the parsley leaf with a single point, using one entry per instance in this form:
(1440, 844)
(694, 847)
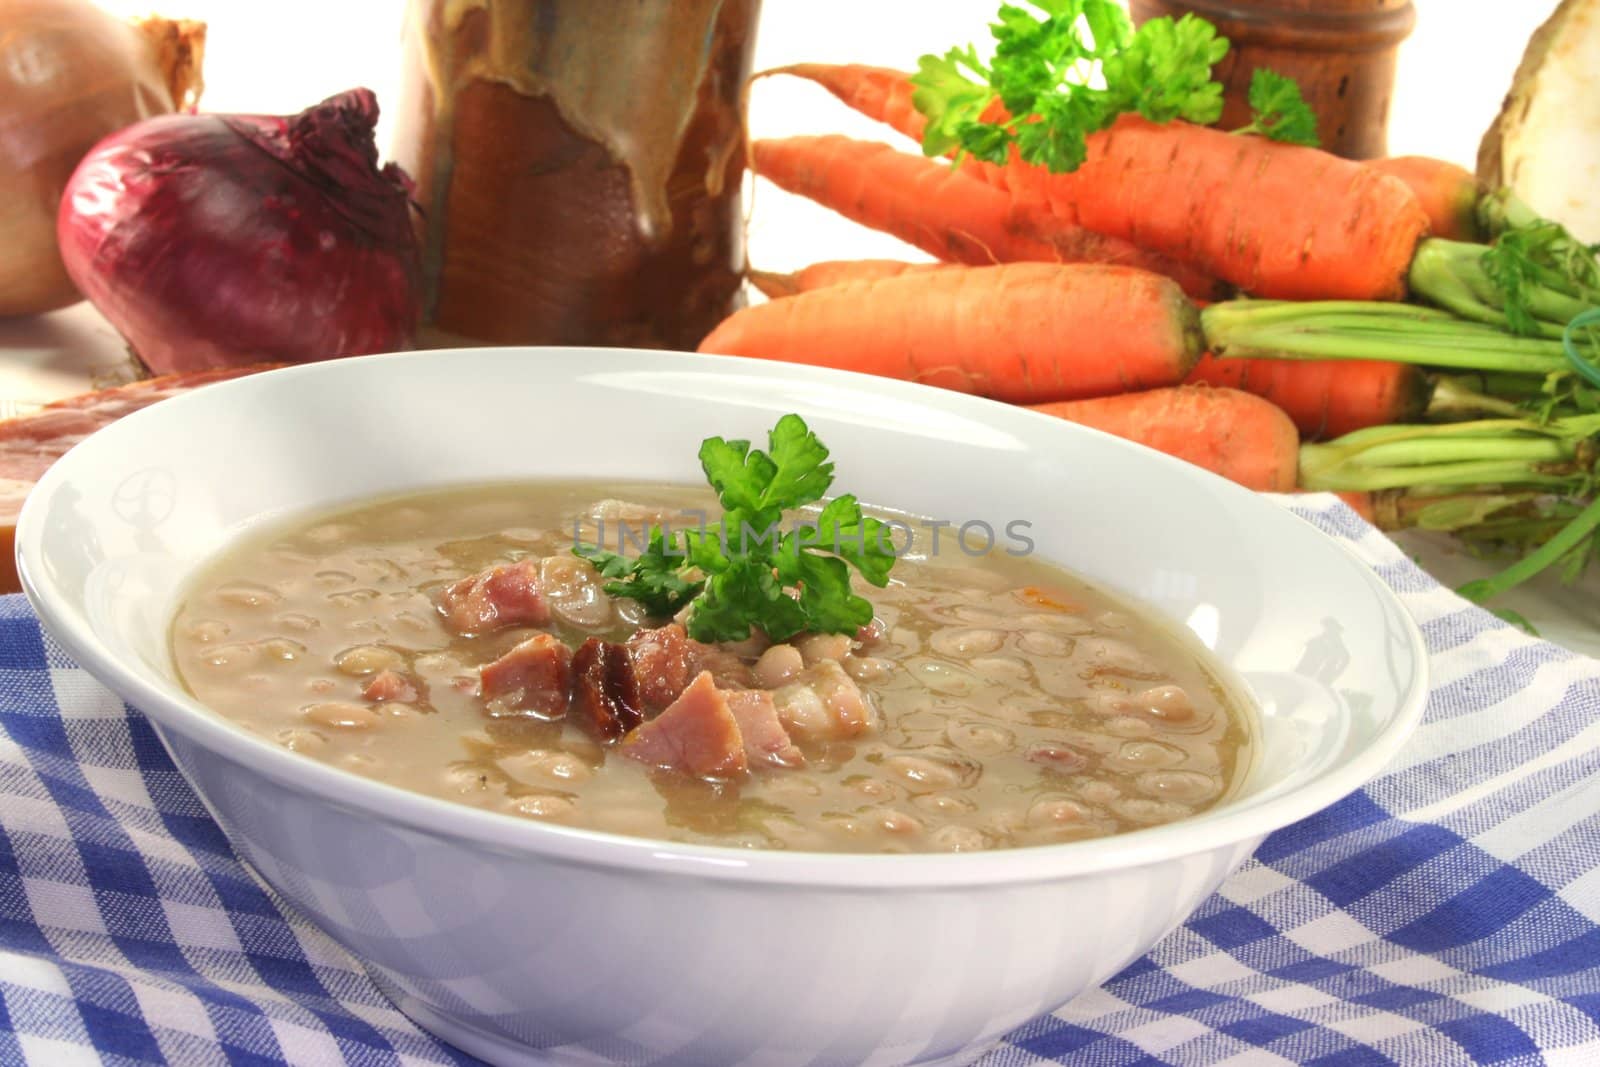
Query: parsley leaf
(1279, 112)
(653, 579)
(1071, 72)
(744, 572)
(1165, 72)
(953, 102)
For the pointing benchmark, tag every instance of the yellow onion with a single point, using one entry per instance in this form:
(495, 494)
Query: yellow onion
(69, 75)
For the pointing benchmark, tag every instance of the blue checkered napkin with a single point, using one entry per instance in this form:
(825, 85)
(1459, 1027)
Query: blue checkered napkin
(1449, 914)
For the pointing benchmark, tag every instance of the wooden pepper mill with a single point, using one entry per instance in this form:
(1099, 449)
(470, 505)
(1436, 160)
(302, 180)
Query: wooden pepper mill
(1342, 52)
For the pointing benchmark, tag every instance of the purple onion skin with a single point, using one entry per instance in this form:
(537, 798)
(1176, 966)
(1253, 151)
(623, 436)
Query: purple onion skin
(218, 240)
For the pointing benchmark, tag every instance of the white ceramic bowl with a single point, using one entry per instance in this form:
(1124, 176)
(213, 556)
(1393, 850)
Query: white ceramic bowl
(524, 942)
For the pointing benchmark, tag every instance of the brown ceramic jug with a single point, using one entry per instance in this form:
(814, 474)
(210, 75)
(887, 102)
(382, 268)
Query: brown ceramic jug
(578, 166)
(1342, 52)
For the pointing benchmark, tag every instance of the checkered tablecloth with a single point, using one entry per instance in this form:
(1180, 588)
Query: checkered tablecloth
(1447, 914)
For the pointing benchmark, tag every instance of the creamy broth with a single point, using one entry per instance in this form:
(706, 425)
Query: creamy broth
(1006, 703)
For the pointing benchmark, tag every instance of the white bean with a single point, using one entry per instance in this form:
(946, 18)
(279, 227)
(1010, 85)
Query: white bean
(945, 803)
(208, 631)
(1042, 643)
(1182, 787)
(1058, 811)
(895, 822)
(368, 659)
(778, 666)
(980, 737)
(965, 642)
(1148, 756)
(868, 669)
(1170, 703)
(231, 657)
(935, 769)
(544, 805)
(297, 739)
(814, 648)
(282, 650)
(338, 715)
(956, 838)
(943, 677)
(1007, 669)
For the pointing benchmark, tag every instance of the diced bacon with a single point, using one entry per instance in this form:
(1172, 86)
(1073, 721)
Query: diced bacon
(664, 661)
(765, 740)
(697, 735)
(535, 676)
(605, 697)
(391, 685)
(506, 595)
(823, 703)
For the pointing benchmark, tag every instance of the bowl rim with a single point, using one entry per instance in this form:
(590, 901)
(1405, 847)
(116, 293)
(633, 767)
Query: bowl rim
(1227, 825)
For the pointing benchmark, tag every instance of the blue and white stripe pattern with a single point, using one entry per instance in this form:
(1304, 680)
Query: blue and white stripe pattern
(1448, 914)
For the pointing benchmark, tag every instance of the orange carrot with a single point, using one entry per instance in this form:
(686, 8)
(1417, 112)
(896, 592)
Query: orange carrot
(1277, 220)
(1448, 193)
(1325, 397)
(880, 93)
(1237, 435)
(945, 213)
(832, 272)
(1023, 332)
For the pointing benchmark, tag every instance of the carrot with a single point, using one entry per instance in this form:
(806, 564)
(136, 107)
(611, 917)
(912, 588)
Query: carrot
(1023, 332)
(1448, 193)
(880, 93)
(1325, 398)
(1277, 220)
(1237, 435)
(832, 272)
(942, 211)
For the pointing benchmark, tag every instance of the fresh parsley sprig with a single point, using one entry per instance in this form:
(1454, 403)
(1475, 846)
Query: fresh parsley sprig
(1066, 75)
(746, 571)
(1278, 111)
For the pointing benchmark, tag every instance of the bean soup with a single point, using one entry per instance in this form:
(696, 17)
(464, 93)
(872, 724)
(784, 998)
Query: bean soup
(453, 644)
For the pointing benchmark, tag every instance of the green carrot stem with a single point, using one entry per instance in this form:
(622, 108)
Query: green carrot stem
(1355, 330)
(1288, 345)
(1414, 453)
(1317, 474)
(1582, 526)
(1457, 395)
(1266, 312)
(1452, 274)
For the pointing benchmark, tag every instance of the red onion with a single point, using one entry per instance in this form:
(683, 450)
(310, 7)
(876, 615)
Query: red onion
(223, 240)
